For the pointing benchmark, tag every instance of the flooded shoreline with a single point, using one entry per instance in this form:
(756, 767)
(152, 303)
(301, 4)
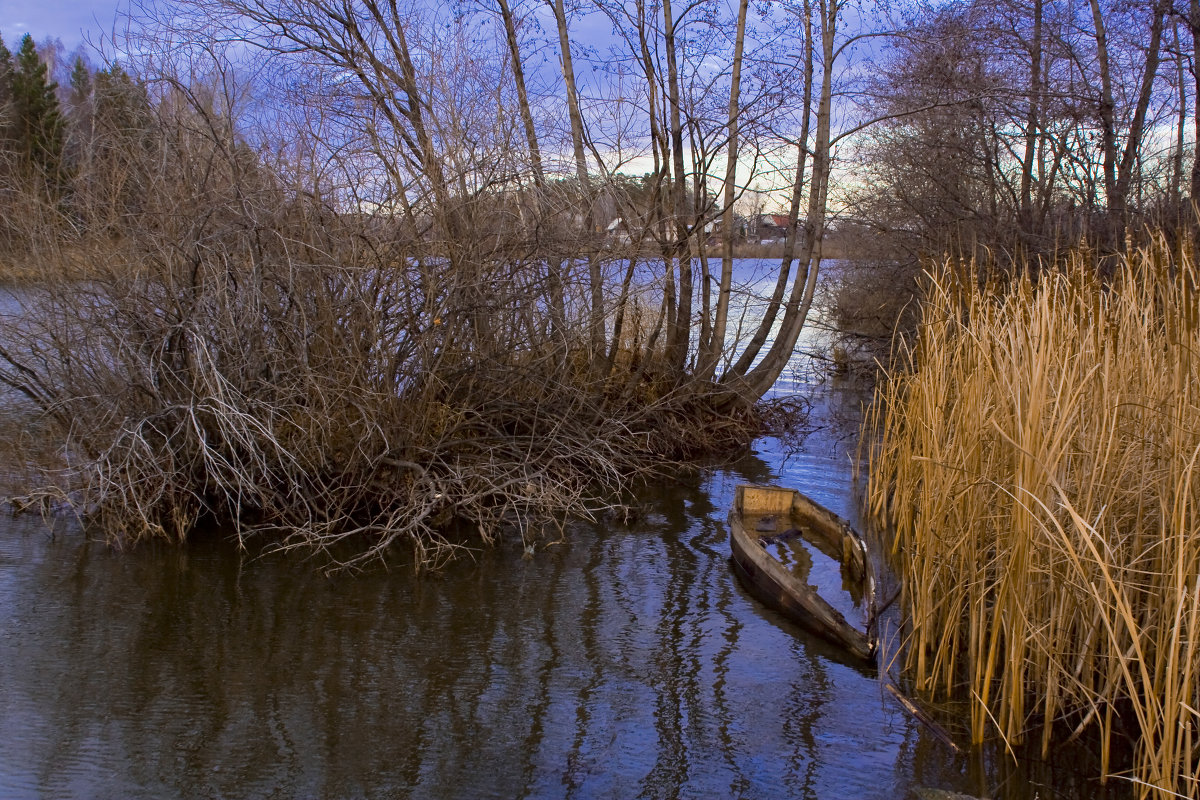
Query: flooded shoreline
(621, 662)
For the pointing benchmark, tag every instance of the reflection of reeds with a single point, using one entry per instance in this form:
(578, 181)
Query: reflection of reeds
(1038, 466)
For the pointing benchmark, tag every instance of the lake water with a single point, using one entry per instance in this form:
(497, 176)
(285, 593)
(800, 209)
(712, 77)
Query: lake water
(623, 662)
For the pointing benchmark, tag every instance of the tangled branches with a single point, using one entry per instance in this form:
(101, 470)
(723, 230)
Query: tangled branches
(319, 405)
(320, 374)
(270, 409)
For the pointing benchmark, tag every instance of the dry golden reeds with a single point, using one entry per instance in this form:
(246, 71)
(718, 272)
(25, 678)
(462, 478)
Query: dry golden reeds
(1038, 465)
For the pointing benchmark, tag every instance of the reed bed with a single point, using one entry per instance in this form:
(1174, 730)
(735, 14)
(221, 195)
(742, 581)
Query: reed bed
(1037, 462)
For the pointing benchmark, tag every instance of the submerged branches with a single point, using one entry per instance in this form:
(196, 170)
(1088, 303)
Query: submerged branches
(319, 405)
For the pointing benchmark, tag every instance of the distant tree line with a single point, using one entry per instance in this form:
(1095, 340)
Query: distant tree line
(72, 159)
(1025, 123)
(998, 125)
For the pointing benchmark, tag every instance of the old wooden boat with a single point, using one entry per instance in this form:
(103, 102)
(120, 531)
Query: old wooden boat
(775, 533)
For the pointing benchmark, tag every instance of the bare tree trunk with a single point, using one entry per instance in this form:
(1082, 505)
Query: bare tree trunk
(716, 342)
(1133, 144)
(554, 276)
(1032, 120)
(653, 221)
(1118, 175)
(770, 314)
(1107, 110)
(759, 380)
(1193, 22)
(679, 331)
(1046, 191)
(596, 313)
(1180, 124)
(701, 215)
(619, 317)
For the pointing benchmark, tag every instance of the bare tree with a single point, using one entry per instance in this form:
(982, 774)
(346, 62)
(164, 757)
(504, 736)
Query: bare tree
(716, 339)
(1020, 123)
(1119, 168)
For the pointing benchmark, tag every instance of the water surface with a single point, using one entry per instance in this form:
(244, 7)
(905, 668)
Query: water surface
(623, 662)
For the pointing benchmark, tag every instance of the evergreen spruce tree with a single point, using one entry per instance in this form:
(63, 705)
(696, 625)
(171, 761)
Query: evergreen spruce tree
(80, 119)
(38, 123)
(6, 77)
(81, 84)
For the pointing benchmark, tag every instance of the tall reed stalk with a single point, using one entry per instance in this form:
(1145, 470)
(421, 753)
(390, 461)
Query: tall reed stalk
(1037, 462)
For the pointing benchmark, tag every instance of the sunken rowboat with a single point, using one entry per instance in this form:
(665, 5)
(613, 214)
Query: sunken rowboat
(775, 535)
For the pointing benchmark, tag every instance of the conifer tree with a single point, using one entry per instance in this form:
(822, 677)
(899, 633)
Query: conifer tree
(6, 76)
(38, 122)
(81, 84)
(80, 118)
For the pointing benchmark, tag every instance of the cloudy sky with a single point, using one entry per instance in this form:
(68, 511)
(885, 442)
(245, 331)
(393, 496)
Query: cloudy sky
(68, 20)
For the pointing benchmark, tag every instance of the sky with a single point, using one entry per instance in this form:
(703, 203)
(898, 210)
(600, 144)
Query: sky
(78, 22)
(67, 20)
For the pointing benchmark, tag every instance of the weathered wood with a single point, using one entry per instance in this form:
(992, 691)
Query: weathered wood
(920, 716)
(773, 584)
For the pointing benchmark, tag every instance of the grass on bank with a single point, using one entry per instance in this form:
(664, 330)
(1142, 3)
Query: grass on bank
(1038, 463)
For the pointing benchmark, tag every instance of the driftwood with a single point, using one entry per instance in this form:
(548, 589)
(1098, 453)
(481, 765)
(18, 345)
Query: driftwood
(921, 716)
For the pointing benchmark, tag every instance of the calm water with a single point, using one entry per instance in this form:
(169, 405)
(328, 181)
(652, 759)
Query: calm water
(625, 662)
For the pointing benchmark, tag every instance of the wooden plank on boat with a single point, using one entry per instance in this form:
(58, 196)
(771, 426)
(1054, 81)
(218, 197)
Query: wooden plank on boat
(765, 499)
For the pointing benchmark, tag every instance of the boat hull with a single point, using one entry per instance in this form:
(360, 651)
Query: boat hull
(774, 585)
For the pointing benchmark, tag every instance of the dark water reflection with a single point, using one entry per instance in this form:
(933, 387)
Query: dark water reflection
(625, 662)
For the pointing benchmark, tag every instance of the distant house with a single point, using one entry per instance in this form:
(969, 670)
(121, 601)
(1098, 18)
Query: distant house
(770, 228)
(618, 233)
(714, 231)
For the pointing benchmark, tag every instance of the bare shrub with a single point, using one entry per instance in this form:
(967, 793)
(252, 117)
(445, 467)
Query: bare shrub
(250, 356)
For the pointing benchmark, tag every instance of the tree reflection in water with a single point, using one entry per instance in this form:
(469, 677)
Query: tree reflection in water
(624, 662)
